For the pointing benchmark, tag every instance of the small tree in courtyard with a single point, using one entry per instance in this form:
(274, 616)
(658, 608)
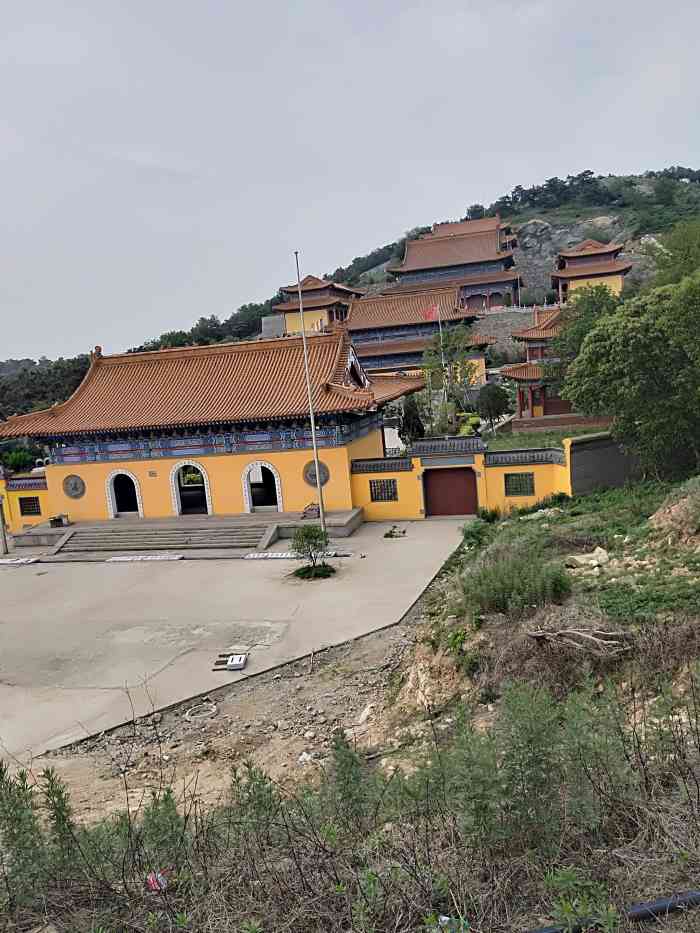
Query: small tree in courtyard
(450, 364)
(411, 427)
(493, 403)
(310, 543)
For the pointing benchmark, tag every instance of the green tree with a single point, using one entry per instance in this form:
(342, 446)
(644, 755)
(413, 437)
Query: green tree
(310, 543)
(449, 363)
(493, 403)
(18, 459)
(411, 427)
(665, 191)
(641, 366)
(475, 212)
(579, 316)
(678, 254)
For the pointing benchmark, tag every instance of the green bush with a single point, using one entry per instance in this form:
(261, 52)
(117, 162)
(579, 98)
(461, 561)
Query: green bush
(490, 515)
(543, 803)
(474, 532)
(513, 578)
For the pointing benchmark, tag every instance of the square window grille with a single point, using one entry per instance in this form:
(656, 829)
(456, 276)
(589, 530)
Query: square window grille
(29, 505)
(520, 484)
(383, 490)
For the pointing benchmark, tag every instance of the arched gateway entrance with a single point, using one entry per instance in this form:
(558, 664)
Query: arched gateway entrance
(262, 488)
(189, 487)
(123, 495)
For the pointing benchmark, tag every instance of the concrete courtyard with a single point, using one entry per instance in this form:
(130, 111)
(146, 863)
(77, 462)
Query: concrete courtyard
(84, 646)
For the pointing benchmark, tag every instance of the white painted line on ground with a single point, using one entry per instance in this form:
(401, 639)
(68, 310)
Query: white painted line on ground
(290, 555)
(144, 557)
(18, 561)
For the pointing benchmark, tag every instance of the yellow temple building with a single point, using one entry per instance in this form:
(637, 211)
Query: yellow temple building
(223, 430)
(587, 264)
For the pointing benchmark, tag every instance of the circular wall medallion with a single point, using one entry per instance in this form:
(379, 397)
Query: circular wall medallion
(74, 486)
(310, 473)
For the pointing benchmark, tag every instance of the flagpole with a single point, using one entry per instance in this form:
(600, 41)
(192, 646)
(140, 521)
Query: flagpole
(319, 486)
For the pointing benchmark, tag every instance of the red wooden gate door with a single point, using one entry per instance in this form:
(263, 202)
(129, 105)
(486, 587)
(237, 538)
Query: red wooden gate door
(450, 491)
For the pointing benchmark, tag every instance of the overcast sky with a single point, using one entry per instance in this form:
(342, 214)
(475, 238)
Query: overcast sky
(161, 160)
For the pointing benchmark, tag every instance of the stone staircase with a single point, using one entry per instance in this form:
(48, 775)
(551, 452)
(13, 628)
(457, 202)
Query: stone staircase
(244, 536)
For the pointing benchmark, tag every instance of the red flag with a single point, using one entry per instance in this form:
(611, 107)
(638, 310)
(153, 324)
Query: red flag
(431, 313)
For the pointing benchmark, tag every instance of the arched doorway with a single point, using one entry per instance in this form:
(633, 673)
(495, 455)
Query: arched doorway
(123, 495)
(191, 491)
(262, 490)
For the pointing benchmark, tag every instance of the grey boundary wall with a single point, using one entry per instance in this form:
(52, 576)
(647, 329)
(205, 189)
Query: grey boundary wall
(598, 462)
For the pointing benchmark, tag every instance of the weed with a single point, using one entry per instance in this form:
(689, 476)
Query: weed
(578, 899)
(491, 516)
(394, 685)
(513, 579)
(649, 595)
(474, 533)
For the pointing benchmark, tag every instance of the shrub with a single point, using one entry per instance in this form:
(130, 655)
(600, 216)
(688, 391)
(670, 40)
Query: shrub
(490, 515)
(319, 572)
(475, 532)
(513, 578)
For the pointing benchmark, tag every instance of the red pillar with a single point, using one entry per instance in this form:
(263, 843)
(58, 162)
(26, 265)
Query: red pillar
(519, 401)
(529, 398)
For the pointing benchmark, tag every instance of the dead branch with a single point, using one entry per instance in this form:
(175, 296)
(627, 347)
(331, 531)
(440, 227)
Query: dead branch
(599, 643)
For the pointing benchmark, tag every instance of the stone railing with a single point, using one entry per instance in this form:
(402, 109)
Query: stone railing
(525, 457)
(382, 465)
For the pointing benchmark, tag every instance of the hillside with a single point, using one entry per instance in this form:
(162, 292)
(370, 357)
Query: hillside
(558, 213)
(520, 749)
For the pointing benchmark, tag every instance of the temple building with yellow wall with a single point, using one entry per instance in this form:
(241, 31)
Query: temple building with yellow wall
(223, 430)
(218, 430)
(587, 264)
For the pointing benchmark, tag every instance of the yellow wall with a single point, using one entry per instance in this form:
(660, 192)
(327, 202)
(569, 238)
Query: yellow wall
(613, 282)
(313, 320)
(224, 473)
(550, 478)
(410, 491)
(13, 519)
(342, 492)
(366, 447)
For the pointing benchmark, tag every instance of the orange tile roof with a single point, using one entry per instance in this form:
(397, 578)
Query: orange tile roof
(433, 252)
(397, 310)
(382, 347)
(388, 388)
(549, 326)
(590, 248)
(452, 228)
(312, 283)
(321, 301)
(614, 267)
(219, 384)
(523, 371)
